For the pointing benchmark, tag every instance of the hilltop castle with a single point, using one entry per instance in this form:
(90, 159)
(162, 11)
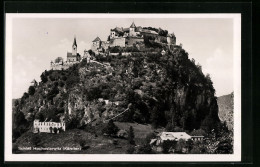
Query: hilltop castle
(126, 37)
(122, 37)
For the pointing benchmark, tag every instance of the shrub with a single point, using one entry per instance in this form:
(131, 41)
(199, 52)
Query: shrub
(25, 95)
(82, 142)
(36, 140)
(131, 135)
(31, 90)
(180, 145)
(145, 149)
(111, 129)
(55, 130)
(72, 80)
(130, 150)
(149, 137)
(115, 142)
(166, 145)
(169, 127)
(44, 77)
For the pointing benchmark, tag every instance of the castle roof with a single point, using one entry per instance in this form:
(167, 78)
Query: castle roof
(74, 42)
(126, 29)
(70, 54)
(96, 39)
(132, 25)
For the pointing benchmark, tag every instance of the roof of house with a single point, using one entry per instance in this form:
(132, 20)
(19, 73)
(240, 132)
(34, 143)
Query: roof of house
(96, 39)
(174, 136)
(132, 25)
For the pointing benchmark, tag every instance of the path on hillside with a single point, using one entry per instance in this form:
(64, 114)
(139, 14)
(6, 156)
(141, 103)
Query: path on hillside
(117, 115)
(93, 61)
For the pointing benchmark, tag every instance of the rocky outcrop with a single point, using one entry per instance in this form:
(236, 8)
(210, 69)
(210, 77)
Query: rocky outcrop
(226, 108)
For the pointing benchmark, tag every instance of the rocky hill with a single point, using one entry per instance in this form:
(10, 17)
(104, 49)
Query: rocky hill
(226, 107)
(162, 90)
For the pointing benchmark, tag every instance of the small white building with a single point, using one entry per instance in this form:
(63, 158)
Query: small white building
(174, 136)
(47, 127)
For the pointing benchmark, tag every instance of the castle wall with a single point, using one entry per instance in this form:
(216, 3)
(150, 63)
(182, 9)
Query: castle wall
(171, 40)
(117, 42)
(64, 66)
(105, 44)
(95, 45)
(72, 58)
(134, 40)
(161, 39)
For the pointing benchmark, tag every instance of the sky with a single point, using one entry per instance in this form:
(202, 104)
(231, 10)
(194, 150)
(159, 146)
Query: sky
(37, 41)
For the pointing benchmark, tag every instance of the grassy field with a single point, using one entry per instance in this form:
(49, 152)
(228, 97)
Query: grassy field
(140, 130)
(96, 143)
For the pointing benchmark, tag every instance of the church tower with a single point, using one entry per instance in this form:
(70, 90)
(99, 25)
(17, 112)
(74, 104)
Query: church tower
(74, 47)
(132, 30)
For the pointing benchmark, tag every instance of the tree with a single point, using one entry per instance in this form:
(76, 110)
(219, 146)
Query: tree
(169, 127)
(198, 132)
(131, 136)
(31, 90)
(130, 150)
(58, 59)
(111, 129)
(145, 149)
(19, 119)
(25, 95)
(167, 145)
(208, 124)
(44, 77)
(16, 103)
(39, 116)
(181, 144)
(55, 130)
(61, 84)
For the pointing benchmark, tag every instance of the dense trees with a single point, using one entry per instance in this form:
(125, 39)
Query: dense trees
(44, 77)
(166, 91)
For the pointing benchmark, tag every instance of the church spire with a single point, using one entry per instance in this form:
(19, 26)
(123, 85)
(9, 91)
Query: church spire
(132, 25)
(74, 42)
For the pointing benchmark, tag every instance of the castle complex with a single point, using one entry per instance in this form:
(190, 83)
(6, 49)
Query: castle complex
(126, 37)
(122, 37)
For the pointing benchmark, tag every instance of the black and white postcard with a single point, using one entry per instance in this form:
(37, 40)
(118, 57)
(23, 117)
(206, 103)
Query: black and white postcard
(123, 87)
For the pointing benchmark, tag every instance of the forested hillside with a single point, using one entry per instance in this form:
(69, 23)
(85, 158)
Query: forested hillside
(167, 90)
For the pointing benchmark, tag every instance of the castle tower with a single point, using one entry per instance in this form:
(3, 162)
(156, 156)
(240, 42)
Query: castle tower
(74, 47)
(132, 29)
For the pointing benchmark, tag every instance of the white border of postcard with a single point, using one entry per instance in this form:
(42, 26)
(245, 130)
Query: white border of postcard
(124, 157)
